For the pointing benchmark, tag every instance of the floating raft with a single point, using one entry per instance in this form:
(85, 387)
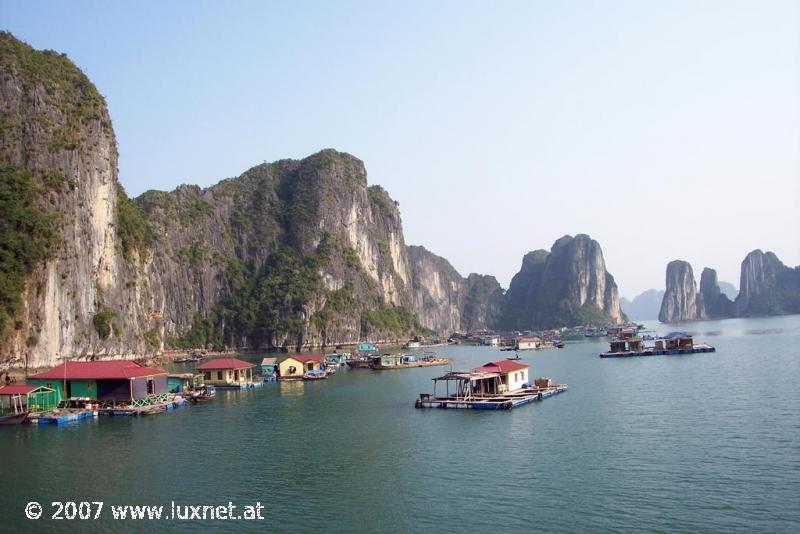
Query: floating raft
(51, 419)
(411, 365)
(703, 347)
(236, 387)
(147, 409)
(498, 402)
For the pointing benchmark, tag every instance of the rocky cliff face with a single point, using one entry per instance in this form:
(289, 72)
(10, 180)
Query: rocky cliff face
(714, 303)
(291, 253)
(56, 129)
(568, 285)
(447, 302)
(680, 297)
(767, 286)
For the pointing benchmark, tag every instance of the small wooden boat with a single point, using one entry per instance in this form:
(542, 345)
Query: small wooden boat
(358, 363)
(14, 419)
(203, 394)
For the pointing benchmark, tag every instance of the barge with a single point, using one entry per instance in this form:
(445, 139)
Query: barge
(499, 385)
(627, 344)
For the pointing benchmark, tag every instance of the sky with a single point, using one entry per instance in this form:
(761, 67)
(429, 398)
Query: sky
(665, 130)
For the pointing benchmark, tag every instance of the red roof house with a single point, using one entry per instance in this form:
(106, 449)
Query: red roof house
(513, 375)
(227, 373)
(110, 380)
(224, 363)
(500, 366)
(17, 389)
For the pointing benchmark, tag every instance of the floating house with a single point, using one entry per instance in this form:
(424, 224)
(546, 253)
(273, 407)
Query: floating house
(498, 385)
(300, 367)
(184, 382)
(367, 347)
(406, 361)
(228, 373)
(511, 376)
(628, 344)
(490, 341)
(116, 380)
(269, 369)
(526, 343)
(17, 400)
(675, 341)
(626, 340)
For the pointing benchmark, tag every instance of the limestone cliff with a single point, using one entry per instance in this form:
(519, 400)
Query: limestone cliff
(293, 253)
(566, 286)
(680, 297)
(715, 304)
(767, 286)
(447, 302)
(84, 297)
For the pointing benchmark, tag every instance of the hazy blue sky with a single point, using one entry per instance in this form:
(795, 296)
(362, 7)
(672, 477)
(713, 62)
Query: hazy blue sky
(663, 129)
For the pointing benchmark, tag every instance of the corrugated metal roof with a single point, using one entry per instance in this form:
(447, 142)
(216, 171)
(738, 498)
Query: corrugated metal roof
(303, 358)
(225, 363)
(18, 389)
(102, 370)
(500, 366)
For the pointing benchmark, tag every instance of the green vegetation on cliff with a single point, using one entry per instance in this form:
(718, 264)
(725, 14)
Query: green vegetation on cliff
(68, 88)
(133, 229)
(27, 235)
(390, 319)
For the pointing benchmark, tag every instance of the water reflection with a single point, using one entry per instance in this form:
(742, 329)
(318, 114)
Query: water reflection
(291, 388)
(765, 331)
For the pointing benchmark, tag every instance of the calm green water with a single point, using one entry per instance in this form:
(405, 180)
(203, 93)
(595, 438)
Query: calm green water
(707, 442)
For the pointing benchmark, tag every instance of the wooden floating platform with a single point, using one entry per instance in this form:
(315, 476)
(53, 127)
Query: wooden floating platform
(147, 409)
(411, 365)
(237, 387)
(497, 402)
(661, 352)
(53, 419)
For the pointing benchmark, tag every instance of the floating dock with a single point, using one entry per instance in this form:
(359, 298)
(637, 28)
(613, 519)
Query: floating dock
(247, 385)
(498, 385)
(53, 419)
(499, 402)
(702, 347)
(629, 345)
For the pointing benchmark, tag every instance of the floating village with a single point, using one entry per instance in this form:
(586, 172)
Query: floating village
(77, 389)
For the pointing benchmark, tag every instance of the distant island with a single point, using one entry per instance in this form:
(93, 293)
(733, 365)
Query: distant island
(767, 287)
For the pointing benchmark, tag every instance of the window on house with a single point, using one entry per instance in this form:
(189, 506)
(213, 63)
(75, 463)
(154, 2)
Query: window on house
(207, 375)
(219, 375)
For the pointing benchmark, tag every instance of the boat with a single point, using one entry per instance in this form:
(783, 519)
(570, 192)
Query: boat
(628, 344)
(188, 359)
(14, 419)
(497, 385)
(315, 374)
(358, 362)
(203, 394)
